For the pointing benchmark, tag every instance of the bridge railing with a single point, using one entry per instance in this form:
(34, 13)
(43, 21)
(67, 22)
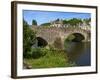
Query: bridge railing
(88, 28)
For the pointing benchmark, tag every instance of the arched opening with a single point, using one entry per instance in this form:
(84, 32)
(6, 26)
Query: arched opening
(75, 37)
(41, 42)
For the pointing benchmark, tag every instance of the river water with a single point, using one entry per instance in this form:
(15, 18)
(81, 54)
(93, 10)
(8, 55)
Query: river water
(79, 53)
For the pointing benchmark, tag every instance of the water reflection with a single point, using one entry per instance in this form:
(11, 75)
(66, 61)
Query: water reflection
(79, 53)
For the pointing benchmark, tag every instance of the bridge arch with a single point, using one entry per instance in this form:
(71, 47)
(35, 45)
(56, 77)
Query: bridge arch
(41, 42)
(52, 35)
(76, 37)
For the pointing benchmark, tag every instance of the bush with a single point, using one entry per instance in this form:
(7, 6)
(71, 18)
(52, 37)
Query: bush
(52, 59)
(28, 55)
(29, 38)
(38, 52)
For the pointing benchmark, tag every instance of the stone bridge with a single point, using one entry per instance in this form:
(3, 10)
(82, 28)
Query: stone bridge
(52, 35)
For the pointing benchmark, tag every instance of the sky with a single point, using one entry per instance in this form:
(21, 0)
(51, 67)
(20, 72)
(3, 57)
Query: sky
(47, 16)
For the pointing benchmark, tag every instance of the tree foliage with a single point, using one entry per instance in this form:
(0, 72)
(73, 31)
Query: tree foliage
(34, 22)
(45, 24)
(28, 39)
(87, 21)
(73, 22)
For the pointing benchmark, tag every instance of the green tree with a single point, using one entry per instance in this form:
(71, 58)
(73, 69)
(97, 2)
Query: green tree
(73, 22)
(58, 19)
(87, 21)
(65, 21)
(45, 24)
(28, 39)
(34, 22)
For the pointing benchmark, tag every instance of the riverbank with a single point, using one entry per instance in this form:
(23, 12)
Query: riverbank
(51, 59)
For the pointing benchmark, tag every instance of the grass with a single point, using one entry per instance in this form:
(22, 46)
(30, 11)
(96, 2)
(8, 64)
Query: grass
(52, 58)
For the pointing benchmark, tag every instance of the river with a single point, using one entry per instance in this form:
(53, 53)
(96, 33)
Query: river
(79, 53)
